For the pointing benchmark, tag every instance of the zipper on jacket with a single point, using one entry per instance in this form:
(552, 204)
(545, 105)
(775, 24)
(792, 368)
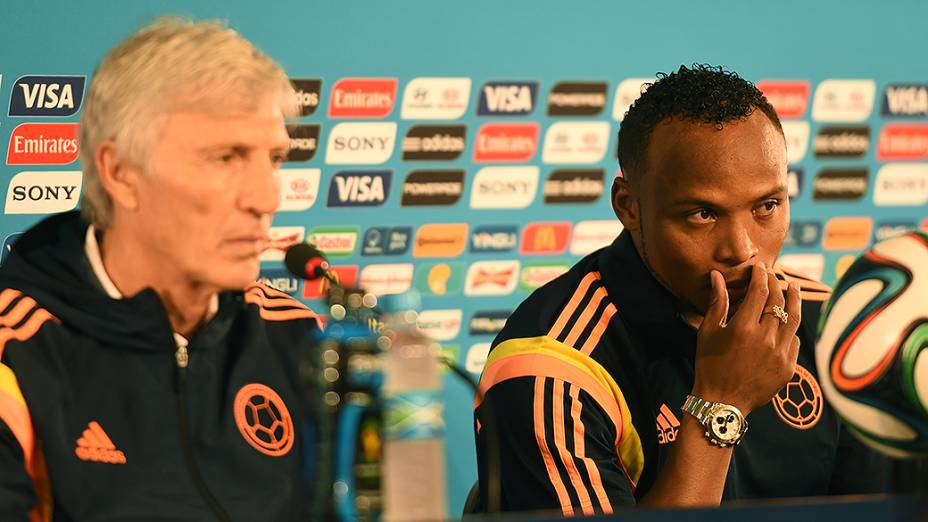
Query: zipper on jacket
(181, 356)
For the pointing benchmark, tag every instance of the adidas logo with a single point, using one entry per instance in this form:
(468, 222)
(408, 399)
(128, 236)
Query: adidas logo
(667, 425)
(95, 446)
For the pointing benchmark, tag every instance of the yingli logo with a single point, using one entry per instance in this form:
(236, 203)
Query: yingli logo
(789, 98)
(362, 98)
(43, 144)
(506, 142)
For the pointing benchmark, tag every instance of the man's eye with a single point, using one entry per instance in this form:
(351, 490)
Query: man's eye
(767, 208)
(701, 217)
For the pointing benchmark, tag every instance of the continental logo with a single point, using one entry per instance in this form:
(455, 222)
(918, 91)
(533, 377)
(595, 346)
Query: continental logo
(789, 98)
(905, 100)
(304, 142)
(307, 94)
(840, 185)
(432, 188)
(362, 98)
(576, 142)
(494, 238)
(43, 144)
(440, 240)
(445, 278)
(506, 142)
(842, 142)
(903, 142)
(567, 186)
(536, 275)
(434, 142)
(847, 233)
(386, 241)
(47, 95)
(394, 278)
(577, 99)
(545, 238)
(507, 98)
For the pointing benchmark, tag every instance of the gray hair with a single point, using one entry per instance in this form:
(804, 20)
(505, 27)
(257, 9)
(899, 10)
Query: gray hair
(171, 65)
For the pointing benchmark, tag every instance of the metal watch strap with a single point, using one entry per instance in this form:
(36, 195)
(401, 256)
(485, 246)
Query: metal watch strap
(697, 407)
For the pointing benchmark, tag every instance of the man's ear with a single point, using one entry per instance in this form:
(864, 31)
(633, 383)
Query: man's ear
(119, 178)
(625, 204)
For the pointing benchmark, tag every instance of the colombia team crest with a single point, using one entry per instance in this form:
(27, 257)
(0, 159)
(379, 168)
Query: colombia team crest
(263, 420)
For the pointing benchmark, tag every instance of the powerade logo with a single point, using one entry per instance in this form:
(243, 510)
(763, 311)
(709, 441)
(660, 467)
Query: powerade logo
(47, 95)
(304, 141)
(507, 98)
(494, 238)
(577, 99)
(280, 279)
(488, 322)
(432, 188)
(909, 100)
(803, 234)
(356, 188)
(840, 184)
(386, 241)
(308, 92)
(8, 246)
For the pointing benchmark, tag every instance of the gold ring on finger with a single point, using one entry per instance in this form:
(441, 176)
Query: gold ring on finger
(778, 312)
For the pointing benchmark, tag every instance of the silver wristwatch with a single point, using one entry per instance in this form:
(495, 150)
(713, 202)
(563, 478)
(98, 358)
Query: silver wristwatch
(724, 423)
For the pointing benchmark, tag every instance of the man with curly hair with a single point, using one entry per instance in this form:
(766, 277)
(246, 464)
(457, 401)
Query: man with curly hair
(632, 378)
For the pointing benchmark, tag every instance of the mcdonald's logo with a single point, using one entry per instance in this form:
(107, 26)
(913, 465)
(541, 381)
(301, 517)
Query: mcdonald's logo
(549, 238)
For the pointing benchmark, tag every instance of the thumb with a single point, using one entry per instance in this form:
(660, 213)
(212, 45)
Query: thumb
(717, 312)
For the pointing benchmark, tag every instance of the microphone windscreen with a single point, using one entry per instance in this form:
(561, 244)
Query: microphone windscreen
(298, 257)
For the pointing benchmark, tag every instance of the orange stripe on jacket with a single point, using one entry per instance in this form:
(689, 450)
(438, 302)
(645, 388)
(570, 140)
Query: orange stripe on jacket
(576, 407)
(553, 474)
(7, 297)
(598, 295)
(27, 330)
(297, 310)
(568, 310)
(20, 309)
(560, 442)
(599, 329)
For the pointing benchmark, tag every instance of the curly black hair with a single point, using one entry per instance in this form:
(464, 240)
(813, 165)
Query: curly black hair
(701, 94)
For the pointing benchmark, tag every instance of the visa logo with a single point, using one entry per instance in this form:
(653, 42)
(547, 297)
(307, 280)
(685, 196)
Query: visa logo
(905, 100)
(47, 95)
(507, 98)
(359, 188)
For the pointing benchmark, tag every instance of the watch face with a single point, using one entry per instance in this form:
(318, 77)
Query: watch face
(725, 424)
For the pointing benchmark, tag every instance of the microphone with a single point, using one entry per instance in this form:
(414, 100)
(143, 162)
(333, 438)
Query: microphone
(305, 261)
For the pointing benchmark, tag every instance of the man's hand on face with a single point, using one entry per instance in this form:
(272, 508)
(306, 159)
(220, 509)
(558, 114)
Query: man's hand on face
(746, 360)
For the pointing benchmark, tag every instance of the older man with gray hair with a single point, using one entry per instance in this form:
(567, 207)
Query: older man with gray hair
(143, 374)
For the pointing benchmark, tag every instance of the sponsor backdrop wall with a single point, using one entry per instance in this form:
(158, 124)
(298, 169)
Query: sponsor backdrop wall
(466, 149)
